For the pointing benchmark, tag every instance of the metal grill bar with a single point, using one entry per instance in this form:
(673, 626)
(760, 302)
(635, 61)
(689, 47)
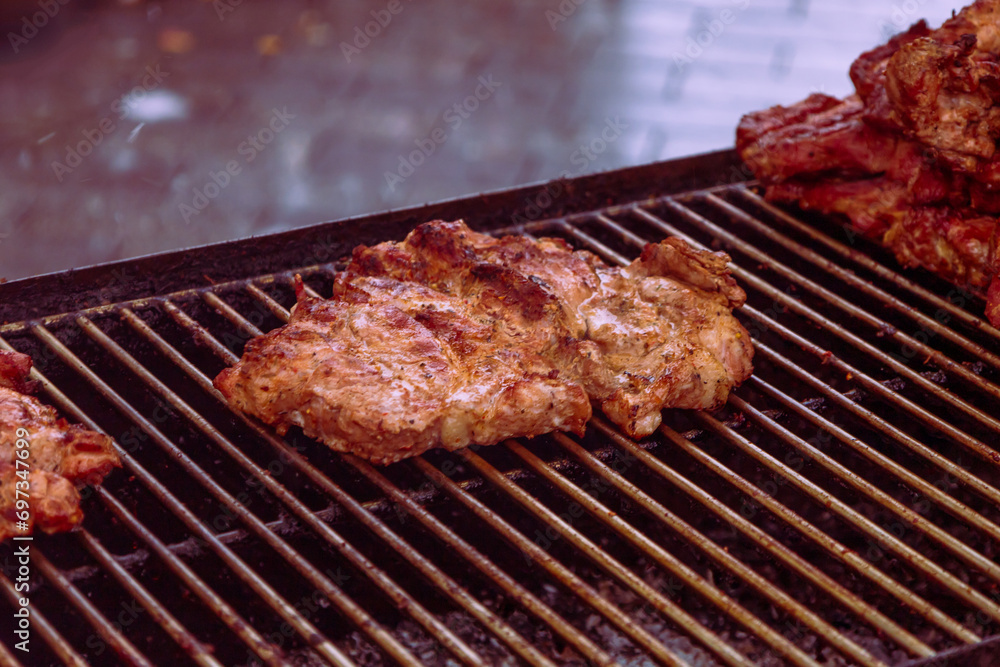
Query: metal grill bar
(832, 546)
(955, 507)
(401, 599)
(286, 610)
(942, 463)
(927, 566)
(987, 453)
(563, 575)
(266, 651)
(883, 297)
(62, 648)
(610, 564)
(843, 304)
(830, 297)
(348, 606)
(429, 570)
(510, 587)
(939, 617)
(262, 648)
(706, 588)
(855, 481)
(115, 639)
(772, 546)
(869, 383)
(861, 259)
(766, 588)
(164, 618)
(178, 508)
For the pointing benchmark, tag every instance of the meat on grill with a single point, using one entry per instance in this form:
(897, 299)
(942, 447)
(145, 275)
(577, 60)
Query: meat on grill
(61, 456)
(453, 338)
(910, 158)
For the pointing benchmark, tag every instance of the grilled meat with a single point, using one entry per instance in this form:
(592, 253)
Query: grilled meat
(453, 338)
(911, 158)
(61, 456)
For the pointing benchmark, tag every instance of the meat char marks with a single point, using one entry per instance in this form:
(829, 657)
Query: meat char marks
(452, 338)
(61, 456)
(910, 158)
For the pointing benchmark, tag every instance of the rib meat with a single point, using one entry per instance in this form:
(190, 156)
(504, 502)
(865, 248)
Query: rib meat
(452, 338)
(61, 457)
(911, 158)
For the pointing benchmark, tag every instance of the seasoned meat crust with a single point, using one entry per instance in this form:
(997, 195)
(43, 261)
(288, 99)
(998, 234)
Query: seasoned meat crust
(453, 338)
(911, 158)
(61, 456)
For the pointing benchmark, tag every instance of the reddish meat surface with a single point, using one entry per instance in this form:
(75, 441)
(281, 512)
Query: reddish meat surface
(911, 158)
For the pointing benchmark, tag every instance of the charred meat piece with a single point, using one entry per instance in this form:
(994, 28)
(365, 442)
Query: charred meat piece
(452, 338)
(61, 457)
(911, 158)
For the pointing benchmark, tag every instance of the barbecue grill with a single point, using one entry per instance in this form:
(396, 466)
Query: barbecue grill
(842, 509)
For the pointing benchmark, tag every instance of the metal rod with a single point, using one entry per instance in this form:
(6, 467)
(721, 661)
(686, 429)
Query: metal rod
(987, 453)
(613, 566)
(962, 475)
(278, 603)
(865, 286)
(566, 577)
(705, 588)
(266, 651)
(508, 584)
(771, 545)
(106, 629)
(832, 546)
(870, 264)
(933, 570)
(459, 595)
(355, 612)
(157, 611)
(955, 507)
(62, 648)
(858, 343)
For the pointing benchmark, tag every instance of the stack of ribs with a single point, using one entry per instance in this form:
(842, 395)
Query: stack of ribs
(911, 158)
(39, 489)
(453, 337)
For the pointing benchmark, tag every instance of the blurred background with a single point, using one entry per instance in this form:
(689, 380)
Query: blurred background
(130, 127)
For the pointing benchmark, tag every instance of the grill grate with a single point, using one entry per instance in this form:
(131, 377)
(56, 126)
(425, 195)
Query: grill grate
(841, 509)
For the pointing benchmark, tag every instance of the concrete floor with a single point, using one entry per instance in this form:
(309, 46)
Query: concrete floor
(132, 127)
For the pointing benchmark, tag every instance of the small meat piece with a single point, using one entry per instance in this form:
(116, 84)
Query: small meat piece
(61, 456)
(452, 338)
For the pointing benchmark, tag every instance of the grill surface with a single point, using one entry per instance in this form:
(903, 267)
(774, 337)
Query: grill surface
(842, 508)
